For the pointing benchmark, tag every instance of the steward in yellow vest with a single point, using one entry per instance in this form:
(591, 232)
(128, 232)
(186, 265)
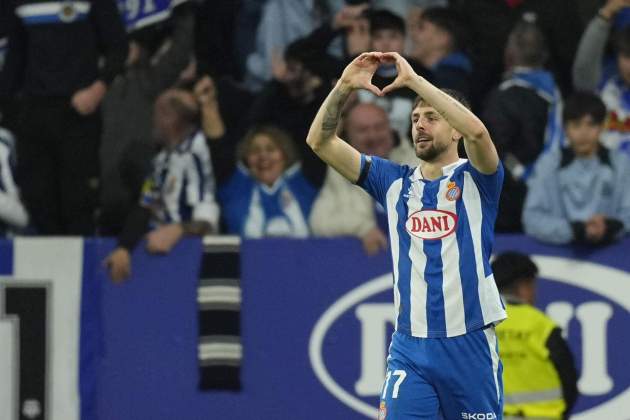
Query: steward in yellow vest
(539, 375)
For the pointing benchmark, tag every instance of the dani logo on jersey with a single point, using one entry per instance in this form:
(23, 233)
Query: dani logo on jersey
(431, 224)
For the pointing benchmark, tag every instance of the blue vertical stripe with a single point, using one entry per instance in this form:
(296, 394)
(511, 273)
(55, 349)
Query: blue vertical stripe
(202, 179)
(185, 210)
(404, 262)
(6, 258)
(91, 343)
(433, 272)
(467, 264)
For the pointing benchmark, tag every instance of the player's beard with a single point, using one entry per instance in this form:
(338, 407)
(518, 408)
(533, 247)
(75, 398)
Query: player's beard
(430, 153)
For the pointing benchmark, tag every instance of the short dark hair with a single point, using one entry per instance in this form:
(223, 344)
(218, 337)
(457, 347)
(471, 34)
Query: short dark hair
(511, 268)
(582, 104)
(527, 44)
(189, 114)
(381, 19)
(451, 21)
(622, 41)
(455, 94)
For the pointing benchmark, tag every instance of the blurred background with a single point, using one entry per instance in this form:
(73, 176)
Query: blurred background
(172, 249)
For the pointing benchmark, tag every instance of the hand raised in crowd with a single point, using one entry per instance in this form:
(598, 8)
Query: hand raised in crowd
(358, 36)
(612, 7)
(374, 241)
(347, 15)
(595, 228)
(358, 74)
(278, 66)
(406, 73)
(164, 238)
(205, 91)
(87, 100)
(119, 264)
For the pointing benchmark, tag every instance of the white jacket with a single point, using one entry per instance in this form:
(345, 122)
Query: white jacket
(345, 209)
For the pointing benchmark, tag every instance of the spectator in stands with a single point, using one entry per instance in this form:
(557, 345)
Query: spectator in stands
(580, 193)
(61, 56)
(216, 38)
(157, 56)
(13, 216)
(343, 209)
(491, 21)
(281, 22)
(439, 40)
(406, 7)
(177, 199)
(612, 80)
(387, 33)
(267, 195)
(524, 116)
(292, 100)
(539, 373)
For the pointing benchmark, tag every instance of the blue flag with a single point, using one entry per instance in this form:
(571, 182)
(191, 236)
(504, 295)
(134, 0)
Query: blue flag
(138, 14)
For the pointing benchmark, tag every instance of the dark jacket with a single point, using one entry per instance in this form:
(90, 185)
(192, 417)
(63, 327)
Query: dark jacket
(491, 22)
(57, 54)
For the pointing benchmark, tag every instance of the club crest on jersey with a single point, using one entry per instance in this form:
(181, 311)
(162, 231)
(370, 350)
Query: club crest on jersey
(431, 224)
(453, 192)
(382, 411)
(68, 12)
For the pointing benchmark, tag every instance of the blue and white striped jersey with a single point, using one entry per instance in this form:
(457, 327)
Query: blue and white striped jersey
(181, 187)
(441, 235)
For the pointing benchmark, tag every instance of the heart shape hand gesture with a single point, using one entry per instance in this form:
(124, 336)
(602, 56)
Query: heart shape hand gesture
(358, 74)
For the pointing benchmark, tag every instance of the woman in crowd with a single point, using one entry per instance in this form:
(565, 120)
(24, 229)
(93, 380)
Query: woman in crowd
(267, 195)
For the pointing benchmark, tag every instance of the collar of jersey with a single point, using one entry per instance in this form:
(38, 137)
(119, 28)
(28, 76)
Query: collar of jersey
(446, 171)
(185, 146)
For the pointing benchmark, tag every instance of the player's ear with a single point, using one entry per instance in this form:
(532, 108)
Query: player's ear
(456, 135)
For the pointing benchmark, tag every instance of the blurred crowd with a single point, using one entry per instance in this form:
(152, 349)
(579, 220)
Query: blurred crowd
(122, 120)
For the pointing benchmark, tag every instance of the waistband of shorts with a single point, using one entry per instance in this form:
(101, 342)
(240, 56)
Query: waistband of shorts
(408, 336)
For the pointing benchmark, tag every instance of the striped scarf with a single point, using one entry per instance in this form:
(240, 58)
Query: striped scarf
(219, 303)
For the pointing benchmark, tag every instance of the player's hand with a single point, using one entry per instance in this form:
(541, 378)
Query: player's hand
(118, 263)
(406, 73)
(612, 7)
(164, 238)
(87, 100)
(374, 241)
(595, 228)
(358, 74)
(205, 91)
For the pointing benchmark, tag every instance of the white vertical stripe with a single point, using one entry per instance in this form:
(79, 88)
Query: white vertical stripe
(9, 362)
(491, 338)
(50, 8)
(452, 289)
(391, 199)
(60, 262)
(472, 200)
(418, 286)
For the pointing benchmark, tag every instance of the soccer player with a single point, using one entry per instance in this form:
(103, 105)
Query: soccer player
(443, 359)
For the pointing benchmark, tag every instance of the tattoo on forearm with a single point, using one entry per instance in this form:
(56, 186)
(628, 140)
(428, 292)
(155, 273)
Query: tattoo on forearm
(333, 112)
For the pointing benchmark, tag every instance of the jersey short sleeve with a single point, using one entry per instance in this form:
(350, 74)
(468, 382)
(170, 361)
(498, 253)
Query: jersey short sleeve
(490, 186)
(377, 175)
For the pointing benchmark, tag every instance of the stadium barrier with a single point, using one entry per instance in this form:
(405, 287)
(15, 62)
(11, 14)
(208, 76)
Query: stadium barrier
(316, 320)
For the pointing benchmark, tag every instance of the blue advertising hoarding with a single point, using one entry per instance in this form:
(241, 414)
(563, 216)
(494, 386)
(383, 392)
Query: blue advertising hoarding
(316, 321)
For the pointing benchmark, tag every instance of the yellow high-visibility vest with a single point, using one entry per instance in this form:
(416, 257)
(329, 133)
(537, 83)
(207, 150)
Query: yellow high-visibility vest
(532, 387)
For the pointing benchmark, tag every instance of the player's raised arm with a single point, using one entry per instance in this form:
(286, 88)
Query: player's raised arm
(322, 136)
(479, 147)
